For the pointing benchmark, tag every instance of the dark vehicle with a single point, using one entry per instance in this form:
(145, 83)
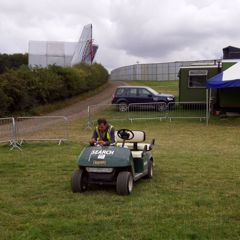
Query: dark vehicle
(126, 95)
(121, 165)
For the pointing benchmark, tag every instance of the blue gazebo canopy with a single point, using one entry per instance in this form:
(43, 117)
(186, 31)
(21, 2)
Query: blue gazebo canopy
(226, 79)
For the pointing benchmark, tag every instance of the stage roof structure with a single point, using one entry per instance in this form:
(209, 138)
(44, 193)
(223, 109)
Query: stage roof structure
(44, 53)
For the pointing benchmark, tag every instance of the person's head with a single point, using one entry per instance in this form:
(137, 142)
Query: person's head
(102, 124)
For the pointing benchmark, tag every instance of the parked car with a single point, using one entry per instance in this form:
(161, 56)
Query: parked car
(126, 95)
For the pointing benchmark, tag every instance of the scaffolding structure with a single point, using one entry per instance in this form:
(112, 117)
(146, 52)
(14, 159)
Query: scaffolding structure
(44, 53)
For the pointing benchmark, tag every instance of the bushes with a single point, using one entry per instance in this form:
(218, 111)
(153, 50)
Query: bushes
(23, 88)
(12, 61)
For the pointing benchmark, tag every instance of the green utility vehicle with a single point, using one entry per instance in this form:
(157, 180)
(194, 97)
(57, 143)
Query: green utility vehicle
(120, 165)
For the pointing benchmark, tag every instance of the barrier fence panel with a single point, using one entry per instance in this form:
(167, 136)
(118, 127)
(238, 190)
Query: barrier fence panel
(184, 110)
(138, 111)
(7, 134)
(148, 111)
(45, 128)
(109, 111)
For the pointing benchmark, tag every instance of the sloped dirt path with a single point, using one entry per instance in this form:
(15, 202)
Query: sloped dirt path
(30, 128)
(79, 109)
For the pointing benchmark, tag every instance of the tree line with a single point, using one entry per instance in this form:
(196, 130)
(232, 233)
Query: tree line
(12, 61)
(24, 87)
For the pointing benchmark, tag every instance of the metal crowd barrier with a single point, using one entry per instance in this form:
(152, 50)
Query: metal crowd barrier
(44, 128)
(145, 111)
(187, 110)
(6, 130)
(148, 111)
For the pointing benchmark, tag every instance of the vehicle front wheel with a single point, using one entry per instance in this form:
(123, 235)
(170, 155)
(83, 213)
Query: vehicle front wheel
(161, 106)
(79, 181)
(122, 107)
(150, 169)
(124, 183)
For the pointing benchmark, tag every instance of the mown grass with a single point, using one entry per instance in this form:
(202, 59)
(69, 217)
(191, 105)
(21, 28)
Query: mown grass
(170, 87)
(195, 192)
(166, 83)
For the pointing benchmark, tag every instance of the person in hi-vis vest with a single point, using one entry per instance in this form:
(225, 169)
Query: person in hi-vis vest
(103, 134)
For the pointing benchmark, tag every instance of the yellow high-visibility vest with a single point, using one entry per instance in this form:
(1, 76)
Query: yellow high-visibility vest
(108, 133)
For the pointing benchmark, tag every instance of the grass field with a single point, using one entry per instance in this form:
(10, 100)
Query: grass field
(170, 87)
(194, 194)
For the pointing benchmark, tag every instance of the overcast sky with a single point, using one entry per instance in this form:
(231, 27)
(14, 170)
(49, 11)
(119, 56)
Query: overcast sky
(127, 31)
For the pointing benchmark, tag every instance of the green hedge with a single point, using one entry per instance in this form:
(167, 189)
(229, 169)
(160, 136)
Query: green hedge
(12, 61)
(24, 88)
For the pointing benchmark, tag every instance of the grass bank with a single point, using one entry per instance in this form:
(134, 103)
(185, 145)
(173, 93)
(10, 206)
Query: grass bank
(160, 86)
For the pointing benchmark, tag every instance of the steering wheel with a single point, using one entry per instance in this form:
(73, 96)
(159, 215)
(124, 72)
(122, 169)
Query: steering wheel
(125, 134)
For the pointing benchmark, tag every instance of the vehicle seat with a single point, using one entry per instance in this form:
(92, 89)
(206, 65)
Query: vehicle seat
(136, 145)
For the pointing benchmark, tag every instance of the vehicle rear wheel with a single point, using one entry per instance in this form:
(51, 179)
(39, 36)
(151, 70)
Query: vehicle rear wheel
(79, 181)
(150, 169)
(124, 183)
(123, 107)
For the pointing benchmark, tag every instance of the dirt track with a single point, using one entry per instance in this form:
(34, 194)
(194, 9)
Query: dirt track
(79, 109)
(76, 111)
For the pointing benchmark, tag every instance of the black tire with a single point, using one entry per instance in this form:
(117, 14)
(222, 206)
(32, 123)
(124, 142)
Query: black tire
(124, 183)
(150, 169)
(162, 106)
(122, 107)
(79, 181)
